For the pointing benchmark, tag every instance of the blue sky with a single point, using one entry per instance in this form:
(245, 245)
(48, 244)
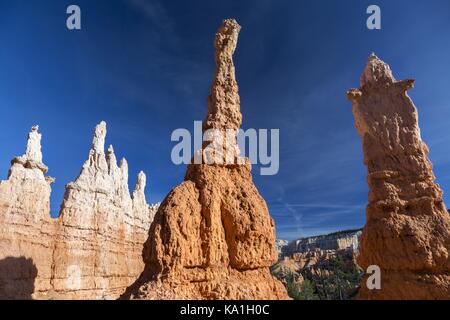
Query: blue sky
(145, 67)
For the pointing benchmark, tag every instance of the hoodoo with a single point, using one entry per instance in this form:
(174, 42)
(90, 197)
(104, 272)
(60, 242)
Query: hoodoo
(213, 237)
(93, 250)
(102, 227)
(407, 232)
(26, 228)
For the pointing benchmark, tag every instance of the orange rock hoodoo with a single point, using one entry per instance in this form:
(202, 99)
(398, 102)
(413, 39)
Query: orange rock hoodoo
(407, 233)
(213, 237)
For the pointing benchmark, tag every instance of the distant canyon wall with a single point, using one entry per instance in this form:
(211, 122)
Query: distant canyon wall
(93, 250)
(341, 240)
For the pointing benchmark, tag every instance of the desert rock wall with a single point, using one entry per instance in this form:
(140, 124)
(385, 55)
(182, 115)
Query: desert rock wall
(93, 250)
(334, 241)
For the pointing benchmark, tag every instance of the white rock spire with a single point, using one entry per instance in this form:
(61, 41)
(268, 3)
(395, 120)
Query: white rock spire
(33, 151)
(98, 141)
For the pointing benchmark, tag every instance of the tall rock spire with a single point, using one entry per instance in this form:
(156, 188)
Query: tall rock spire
(26, 228)
(407, 232)
(33, 152)
(213, 237)
(32, 159)
(140, 205)
(93, 250)
(99, 210)
(224, 118)
(223, 101)
(98, 141)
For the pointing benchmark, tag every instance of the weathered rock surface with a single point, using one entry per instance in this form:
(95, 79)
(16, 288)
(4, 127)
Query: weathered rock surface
(334, 241)
(326, 262)
(26, 228)
(280, 244)
(213, 237)
(93, 250)
(329, 274)
(407, 232)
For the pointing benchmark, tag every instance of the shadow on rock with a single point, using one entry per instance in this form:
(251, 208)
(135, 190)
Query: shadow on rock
(17, 276)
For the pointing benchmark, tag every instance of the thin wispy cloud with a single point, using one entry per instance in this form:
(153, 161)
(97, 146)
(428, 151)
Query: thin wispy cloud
(155, 12)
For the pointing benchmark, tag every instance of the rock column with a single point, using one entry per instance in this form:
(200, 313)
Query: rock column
(213, 237)
(407, 232)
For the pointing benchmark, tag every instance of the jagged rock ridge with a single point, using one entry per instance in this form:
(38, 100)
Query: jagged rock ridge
(93, 250)
(213, 237)
(407, 232)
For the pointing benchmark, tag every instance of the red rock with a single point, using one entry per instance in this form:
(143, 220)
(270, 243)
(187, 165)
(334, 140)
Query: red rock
(407, 232)
(213, 237)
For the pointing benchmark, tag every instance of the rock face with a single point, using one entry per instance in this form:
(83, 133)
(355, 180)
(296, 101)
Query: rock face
(94, 249)
(407, 232)
(326, 264)
(102, 226)
(26, 229)
(213, 237)
(333, 241)
(330, 274)
(280, 244)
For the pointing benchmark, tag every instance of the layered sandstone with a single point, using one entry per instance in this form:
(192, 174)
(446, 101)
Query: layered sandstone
(327, 262)
(407, 232)
(213, 237)
(26, 228)
(102, 226)
(334, 241)
(93, 250)
(320, 274)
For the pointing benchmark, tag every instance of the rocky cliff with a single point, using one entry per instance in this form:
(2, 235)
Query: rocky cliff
(93, 250)
(213, 237)
(26, 228)
(320, 267)
(348, 239)
(407, 232)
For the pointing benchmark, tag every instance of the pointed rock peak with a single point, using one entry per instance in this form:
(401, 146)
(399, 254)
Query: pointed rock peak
(376, 72)
(224, 102)
(124, 170)
(141, 182)
(111, 159)
(226, 37)
(98, 141)
(33, 151)
(123, 164)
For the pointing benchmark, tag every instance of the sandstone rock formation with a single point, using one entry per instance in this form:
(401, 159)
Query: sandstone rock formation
(213, 237)
(26, 228)
(280, 244)
(94, 249)
(320, 274)
(100, 236)
(334, 241)
(328, 262)
(407, 232)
